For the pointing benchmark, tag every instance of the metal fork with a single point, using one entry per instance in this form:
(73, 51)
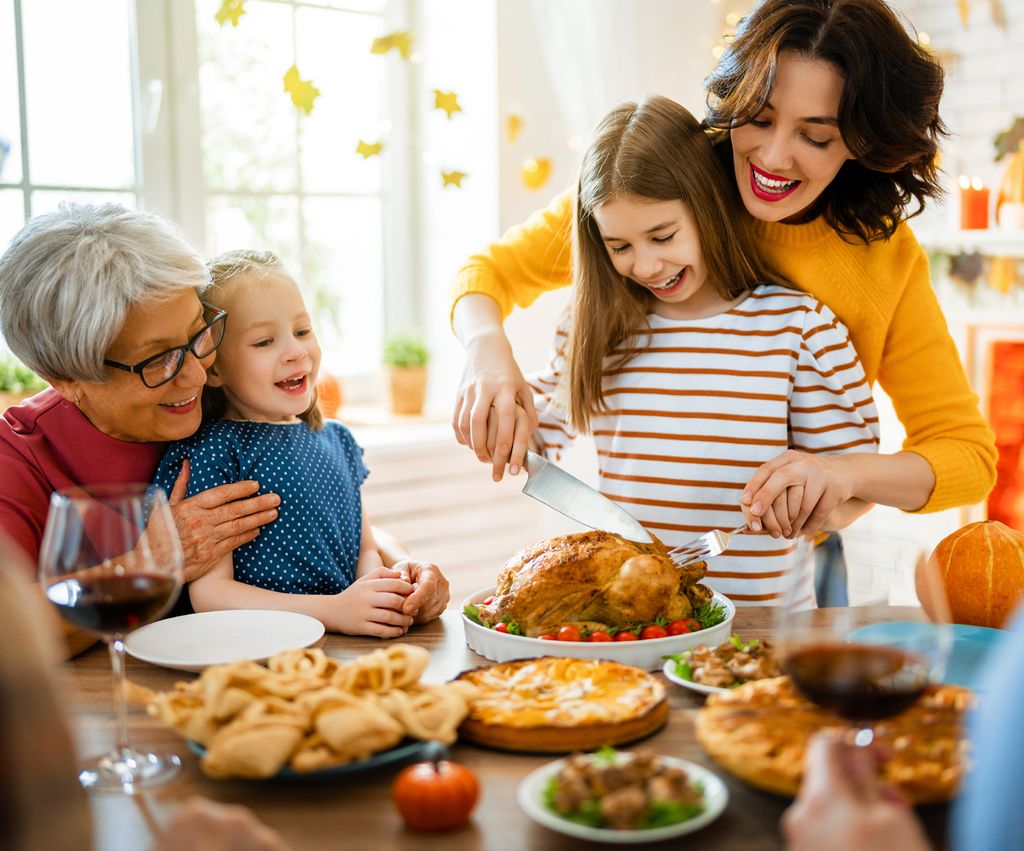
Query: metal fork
(706, 546)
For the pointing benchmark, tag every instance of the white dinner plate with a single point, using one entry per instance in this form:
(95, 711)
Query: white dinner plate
(194, 642)
(670, 671)
(531, 799)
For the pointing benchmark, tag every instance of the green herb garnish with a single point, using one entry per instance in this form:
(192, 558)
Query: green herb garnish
(710, 614)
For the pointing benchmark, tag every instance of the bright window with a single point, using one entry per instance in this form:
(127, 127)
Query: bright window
(156, 104)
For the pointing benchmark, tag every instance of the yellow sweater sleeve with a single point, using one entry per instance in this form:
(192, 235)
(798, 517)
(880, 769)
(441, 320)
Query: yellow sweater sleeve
(922, 372)
(528, 260)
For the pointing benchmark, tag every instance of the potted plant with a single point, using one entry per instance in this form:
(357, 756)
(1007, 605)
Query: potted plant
(17, 382)
(406, 356)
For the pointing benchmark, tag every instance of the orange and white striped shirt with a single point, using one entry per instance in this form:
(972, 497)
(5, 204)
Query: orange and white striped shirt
(703, 403)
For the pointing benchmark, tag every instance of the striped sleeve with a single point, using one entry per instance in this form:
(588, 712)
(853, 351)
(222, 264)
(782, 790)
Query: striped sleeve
(831, 408)
(554, 433)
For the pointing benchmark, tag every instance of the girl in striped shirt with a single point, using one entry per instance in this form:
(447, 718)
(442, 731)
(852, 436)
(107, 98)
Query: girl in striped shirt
(688, 359)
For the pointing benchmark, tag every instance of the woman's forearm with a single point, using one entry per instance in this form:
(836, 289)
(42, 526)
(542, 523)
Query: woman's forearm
(903, 480)
(477, 317)
(390, 549)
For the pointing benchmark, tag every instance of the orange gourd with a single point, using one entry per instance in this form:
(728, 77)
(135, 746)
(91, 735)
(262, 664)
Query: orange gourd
(982, 569)
(436, 795)
(328, 395)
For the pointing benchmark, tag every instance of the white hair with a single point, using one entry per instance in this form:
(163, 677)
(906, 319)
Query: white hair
(69, 278)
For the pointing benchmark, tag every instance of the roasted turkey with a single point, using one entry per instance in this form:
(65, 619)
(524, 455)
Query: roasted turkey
(596, 580)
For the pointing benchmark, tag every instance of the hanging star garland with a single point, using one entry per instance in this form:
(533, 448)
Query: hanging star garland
(964, 7)
(400, 41)
(513, 126)
(230, 10)
(448, 101)
(452, 178)
(369, 149)
(965, 267)
(303, 92)
(535, 172)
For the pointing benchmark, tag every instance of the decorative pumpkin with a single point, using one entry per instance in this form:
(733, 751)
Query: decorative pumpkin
(436, 795)
(982, 568)
(328, 395)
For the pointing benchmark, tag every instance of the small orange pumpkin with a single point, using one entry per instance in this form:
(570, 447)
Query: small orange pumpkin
(328, 395)
(436, 795)
(982, 568)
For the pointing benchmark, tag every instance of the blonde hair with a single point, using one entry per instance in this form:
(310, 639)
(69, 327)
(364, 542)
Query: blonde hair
(228, 273)
(652, 149)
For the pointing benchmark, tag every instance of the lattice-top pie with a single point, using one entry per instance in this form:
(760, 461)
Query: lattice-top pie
(556, 705)
(759, 732)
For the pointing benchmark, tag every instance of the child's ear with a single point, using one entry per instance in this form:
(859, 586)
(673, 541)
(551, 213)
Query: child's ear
(213, 379)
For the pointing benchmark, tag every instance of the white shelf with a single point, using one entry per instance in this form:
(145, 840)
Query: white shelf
(993, 241)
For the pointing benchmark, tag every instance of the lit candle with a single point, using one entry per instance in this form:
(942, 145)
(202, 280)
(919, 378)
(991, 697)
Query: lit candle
(973, 204)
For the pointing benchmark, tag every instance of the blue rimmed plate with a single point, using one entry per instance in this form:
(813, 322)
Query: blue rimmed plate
(405, 751)
(972, 646)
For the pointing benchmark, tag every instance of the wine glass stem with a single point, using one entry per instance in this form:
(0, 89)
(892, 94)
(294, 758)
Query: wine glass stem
(120, 699)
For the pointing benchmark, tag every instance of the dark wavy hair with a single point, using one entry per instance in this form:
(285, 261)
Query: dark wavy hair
(888, 111)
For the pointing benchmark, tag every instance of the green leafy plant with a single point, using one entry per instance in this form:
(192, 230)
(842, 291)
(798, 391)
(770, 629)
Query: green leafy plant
(405, 350)
(15, 377)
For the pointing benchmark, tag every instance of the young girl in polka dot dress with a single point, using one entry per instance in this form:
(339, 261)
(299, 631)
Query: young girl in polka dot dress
(261, 422)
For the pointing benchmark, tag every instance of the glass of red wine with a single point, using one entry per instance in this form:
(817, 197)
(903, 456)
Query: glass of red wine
(110, 562)
(873, 656)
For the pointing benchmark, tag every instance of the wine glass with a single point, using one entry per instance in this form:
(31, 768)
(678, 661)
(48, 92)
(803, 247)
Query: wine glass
(869, 659)
(110, 562)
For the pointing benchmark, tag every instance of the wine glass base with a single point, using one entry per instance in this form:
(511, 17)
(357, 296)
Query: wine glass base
(128, 772)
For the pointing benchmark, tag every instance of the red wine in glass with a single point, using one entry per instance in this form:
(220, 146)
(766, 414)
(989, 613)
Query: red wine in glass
(112, 604)
(110, 562)
(861, 682)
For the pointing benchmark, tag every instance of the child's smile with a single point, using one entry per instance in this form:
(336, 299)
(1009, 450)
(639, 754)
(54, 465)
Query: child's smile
(268, 361)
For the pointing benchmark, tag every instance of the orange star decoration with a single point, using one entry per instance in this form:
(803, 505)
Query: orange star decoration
(230, 10)
(514, 126)
(369, 149)
(303, 92)
(448, 101)
(400, 41)
(452, 178)
(535, 172)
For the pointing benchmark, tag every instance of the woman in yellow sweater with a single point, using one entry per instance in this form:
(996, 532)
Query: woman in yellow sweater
(827, 113)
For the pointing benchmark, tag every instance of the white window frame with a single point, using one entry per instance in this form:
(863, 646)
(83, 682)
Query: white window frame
(170, 167)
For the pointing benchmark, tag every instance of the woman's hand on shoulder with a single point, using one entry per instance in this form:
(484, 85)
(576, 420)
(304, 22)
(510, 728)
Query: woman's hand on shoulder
(430, 592)
(202, 825)
(843, 804)
(795, 493)
(217, 521)
(372, 605)
(494, 412)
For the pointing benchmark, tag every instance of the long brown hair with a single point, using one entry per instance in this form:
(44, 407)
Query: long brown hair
(227, 273)
(888, 111)
(654, 149)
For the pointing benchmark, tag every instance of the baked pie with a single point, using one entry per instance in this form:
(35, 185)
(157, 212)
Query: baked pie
(759, 732)
(556, 705)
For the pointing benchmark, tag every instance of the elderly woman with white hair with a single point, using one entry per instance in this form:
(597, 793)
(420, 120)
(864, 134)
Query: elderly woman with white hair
(104, 303)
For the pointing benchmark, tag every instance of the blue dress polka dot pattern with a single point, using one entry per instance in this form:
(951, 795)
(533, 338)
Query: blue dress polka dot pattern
(313, 545)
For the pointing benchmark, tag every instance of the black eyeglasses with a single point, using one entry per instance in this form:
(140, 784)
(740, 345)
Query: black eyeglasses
(162, 367)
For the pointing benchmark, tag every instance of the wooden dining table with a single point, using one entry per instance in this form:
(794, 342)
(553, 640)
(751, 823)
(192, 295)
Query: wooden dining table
(356, 811)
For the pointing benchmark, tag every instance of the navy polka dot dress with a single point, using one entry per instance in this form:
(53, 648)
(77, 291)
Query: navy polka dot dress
(313, 545)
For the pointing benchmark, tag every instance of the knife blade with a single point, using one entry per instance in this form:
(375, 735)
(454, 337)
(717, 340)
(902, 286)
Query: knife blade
(548, 483)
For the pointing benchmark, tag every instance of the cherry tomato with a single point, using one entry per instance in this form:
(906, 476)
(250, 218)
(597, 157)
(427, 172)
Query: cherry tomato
(679, 627)
(568, 633)
(625, 635)
(694, 624)
(501, 627)
(488, 601)
(599, 635)
(547, 636)
(653, 631)
(435, 796)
